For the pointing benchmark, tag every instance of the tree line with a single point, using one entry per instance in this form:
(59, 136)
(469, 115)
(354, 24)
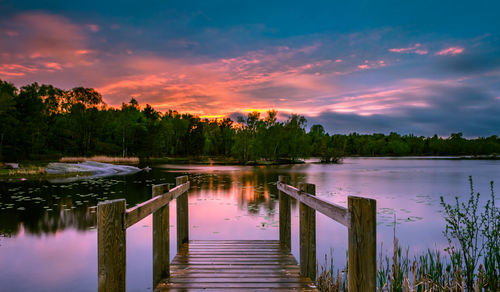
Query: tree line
(42, 121)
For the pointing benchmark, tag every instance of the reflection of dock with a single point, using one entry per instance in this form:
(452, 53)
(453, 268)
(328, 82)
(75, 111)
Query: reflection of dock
(248, 265)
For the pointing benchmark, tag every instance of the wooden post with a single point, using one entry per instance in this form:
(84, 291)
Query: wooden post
(362, 244)
(161, 238)
(182, 215)
(111, 247)
(285, 215)
(307, 235)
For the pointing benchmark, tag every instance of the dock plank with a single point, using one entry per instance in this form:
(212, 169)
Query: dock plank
(234, 265)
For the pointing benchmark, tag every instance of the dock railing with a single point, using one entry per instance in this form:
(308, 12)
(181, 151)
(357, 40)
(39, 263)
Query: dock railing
(113, 219)
(359, 217)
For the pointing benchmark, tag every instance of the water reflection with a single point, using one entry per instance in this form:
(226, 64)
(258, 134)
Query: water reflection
(50, 225)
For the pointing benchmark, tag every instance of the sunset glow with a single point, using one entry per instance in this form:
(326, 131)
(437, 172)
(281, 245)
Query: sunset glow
(211, 70)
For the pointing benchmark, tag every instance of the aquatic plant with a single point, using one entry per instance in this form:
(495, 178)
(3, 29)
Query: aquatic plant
(472, 265)
(474, 232)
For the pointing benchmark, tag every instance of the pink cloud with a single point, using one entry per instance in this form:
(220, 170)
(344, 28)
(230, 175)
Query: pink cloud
(413, 49)
(44, 43)
(53, 65)
(81, 52)
(450, 51)
(94, 27)
(11, 33)
(15, 70)
(371, 64)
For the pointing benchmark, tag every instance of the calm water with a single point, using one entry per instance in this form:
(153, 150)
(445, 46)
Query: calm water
(48, 240)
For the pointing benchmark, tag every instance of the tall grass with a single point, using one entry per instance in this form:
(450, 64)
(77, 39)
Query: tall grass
(430, 271)
(32, 170)
(452, 271)
(103, 159)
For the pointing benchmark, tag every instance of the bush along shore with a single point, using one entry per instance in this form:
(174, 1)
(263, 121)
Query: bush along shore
(471, 262)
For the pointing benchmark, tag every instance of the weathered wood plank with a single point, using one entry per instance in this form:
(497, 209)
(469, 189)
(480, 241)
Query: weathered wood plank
(238, 256)
(141, 211)
(234, 248)
(161, 189)
(362, 244)
(241, 280)
(161, 238)
(259, 241)
(225, 266)
(239, 274)
(239, 289)
(331, 210)
(235, 271)
(208, 285)
(236, 264)
(182, 214)
(291, 269)
(307, 222)
(111, 246)
(275, 243)
(285, 222)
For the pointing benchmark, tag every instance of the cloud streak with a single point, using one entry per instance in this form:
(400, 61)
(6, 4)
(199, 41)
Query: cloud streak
(417, 49)
(450, 51)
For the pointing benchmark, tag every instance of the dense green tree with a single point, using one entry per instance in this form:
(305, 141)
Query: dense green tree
(40, 120)
(8, 119)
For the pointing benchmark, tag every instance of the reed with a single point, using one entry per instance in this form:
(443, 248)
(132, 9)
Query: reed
(429, 271)
(33, 170)
(103, 159)
(453, 271)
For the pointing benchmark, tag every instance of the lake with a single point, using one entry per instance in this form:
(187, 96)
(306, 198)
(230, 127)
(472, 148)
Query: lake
(48, 240)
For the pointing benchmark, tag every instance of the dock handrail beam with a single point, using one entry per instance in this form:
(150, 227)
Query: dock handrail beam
(359, 218)
(113, 219)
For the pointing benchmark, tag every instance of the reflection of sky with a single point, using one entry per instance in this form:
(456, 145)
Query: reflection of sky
(239, 203)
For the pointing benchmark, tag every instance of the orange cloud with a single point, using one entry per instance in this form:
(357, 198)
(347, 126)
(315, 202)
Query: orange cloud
(15, 70)
(53, 65)
(223, 85)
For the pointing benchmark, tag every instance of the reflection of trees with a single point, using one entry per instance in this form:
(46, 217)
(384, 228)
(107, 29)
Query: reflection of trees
(253, 188)
(36, 220)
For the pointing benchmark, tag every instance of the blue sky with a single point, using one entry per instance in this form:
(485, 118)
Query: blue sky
(422, 67)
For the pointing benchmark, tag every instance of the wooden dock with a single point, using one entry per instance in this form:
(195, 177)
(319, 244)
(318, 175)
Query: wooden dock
(242, 265)
(235, 265)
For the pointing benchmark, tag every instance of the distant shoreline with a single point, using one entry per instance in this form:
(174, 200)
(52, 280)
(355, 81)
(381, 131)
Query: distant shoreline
(36, 170)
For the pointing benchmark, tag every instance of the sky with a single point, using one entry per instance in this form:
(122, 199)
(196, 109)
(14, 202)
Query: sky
(421, 67)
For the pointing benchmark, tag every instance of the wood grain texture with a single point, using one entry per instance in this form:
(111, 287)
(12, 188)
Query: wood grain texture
(161, 238)
(307, 222)
(182, 214)
(331, 210)
(253, 270)
(285, 215)
(161, 189)
(362, 244)
(111, 246)
(141, 211)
